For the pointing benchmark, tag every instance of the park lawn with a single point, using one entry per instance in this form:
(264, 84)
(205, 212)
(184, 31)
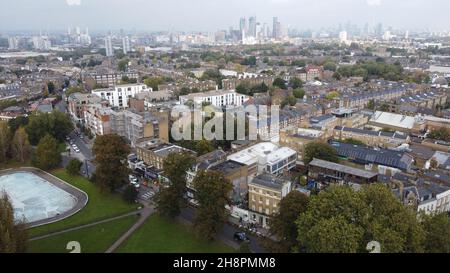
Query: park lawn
(100, 206)
(159, 235)
(96, 239)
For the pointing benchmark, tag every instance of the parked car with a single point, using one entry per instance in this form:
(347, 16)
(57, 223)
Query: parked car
(241, 236)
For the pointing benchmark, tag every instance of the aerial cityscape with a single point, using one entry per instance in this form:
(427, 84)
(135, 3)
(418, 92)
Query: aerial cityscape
(225, 127)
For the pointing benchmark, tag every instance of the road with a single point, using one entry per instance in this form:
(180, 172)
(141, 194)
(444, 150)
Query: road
(227, 232)
(85, 154)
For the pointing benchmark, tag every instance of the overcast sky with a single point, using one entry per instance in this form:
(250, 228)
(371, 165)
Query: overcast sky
(210, 15)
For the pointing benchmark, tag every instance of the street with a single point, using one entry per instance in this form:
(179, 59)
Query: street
(227, 232)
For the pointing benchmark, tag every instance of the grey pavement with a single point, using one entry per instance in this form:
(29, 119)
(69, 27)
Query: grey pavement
(86, 225)
(145, 213)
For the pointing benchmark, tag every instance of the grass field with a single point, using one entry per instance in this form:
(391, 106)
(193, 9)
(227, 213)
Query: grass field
(96, 239)
(159, 235)
(100, 206)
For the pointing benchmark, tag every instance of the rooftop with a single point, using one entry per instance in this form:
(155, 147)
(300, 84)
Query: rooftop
(269, 181)
(341, 168)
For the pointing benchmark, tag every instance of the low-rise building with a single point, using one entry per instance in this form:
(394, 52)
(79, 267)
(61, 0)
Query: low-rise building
(370, 137)
(266, 157)
(324, 173)
(77, 103)
(153, 152)
(384, 161)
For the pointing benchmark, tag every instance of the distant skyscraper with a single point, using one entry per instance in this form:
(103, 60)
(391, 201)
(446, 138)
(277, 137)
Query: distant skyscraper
(13, 43)
(108, 46)
(126, 45)
(276, 28)
(343, 36)
(252, 26)
(243, 24)
(41, 42)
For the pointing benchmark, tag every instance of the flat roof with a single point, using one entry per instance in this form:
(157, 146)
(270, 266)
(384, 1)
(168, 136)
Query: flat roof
(341, 168)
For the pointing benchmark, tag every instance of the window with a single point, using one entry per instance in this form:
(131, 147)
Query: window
(267, 202)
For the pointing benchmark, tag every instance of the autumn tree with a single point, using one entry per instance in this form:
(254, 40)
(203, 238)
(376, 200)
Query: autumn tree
(13, 234)
(170, 200)
(341, 219)
(20, 145)
(5, 141)
(212, 194)
(282, 225)
(47, 155)
(110, 152)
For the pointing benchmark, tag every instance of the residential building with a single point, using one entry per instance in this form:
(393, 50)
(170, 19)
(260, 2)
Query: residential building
(108, 46)
(77, 103)
(153, 152)
(120, 94)
(297, 138)
(265, 193)
(218, 98)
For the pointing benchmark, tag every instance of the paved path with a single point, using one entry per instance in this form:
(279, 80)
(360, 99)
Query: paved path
(145, 213)
(87, 225)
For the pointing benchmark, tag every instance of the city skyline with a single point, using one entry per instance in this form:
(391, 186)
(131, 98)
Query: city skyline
(202, 15)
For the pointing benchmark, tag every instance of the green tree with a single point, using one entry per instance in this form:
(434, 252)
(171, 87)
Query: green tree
(341, 219)
(203, 147)
(51, 87)
(153, 82)
(5, 141)
(17, 122)
(283, 224)
(437, 230)
(170, 200)
(290, 100)
(295, 83)
(299, 93)
(47, 156)
(280, 83)
(74, 89)
(320, 150)
(73, 167)
(371, 104)
(331, 95)
(212, 193)
(330, 66)
(122, 65)
(110, 152)
(57, 124)
(21, 145)
(13, 233)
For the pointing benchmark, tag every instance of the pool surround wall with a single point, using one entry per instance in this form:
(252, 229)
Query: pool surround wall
(81, 196)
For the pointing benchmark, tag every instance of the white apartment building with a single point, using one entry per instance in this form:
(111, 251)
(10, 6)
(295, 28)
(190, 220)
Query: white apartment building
(266, 157)
(120, 94)
(218, 98)
(109, 47)
(126, 47)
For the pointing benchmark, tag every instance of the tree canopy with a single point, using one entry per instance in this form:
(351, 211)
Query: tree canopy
(320, 150)
(110, 152)
(341, 219)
